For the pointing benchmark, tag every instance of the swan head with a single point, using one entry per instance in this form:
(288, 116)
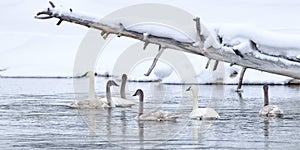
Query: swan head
(265, 87)
(192, 88)
(138, 92)
(111, 83)
(124, 77)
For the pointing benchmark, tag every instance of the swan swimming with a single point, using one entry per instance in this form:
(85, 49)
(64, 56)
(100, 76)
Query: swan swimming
(155, 115)
(269, 110)
(92, 101)
(201, 113)
(118, 101)
(108, 100)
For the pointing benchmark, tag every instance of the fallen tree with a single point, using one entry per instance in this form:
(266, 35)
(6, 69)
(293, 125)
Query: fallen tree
(250, 48)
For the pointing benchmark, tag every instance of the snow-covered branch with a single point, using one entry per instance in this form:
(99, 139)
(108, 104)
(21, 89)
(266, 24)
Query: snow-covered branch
(254, 49)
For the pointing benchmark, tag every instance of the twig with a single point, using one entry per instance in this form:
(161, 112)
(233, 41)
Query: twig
(239, 86)
(155, 61)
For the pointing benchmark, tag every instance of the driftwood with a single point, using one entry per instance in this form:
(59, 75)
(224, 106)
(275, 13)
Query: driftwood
(277, 64)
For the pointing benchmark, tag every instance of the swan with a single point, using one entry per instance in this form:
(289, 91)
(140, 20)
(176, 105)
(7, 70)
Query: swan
(122, 89)
(156, 115)
(201, 113)
(109, 100)
(269, 110)
(92, 101)
(119, 101)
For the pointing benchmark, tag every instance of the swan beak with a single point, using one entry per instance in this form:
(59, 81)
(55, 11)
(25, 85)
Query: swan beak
(135, 94)
(138, 92)
(188, 89)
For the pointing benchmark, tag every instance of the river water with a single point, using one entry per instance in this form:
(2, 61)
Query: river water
(34, 115)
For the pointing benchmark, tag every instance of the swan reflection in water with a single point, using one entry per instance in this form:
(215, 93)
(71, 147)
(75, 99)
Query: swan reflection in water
(141, 134)
(266, 132)
(200, 128)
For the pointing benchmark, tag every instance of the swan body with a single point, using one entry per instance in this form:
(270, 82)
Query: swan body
(204, 113)
(269, 110)
(93, 101)
(88, 103)
(201, 113)
(156, 115)
(119, 101)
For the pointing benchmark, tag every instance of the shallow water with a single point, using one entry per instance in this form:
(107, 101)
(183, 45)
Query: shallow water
(34, 115)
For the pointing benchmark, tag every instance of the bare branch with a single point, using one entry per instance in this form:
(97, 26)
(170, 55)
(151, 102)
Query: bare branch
(198, 27)
(216, 65)
(52, 5)
(239, 86)
(145, 45)
(208, 62)
(160, 51)
(59, 22)
(254, 59)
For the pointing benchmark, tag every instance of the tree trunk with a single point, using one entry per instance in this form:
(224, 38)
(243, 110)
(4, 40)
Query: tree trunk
(255, 59)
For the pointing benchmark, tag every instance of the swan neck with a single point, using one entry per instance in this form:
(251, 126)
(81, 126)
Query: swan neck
(141, 104)
(266, 97)
(108, 95)
(122, 89)
(92, 86)
(195, 99)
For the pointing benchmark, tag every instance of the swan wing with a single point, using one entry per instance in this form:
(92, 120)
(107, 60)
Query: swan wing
(158, 115)
(271, 111)
(104, 102)
(204, 113)
(164, 115)
(117, 102)
(89, 103)
(121, 102)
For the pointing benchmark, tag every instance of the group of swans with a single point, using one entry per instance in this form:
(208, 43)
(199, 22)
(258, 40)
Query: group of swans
(107, 101)
(103, 101)
(210, 113)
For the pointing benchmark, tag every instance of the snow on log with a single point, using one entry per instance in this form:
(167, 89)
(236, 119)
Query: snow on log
(239, 45)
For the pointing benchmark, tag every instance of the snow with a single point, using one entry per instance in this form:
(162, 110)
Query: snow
(268, 42)
(161, 30)
(39, 48)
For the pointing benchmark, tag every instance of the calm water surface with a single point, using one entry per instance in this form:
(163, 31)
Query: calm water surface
(34, 115)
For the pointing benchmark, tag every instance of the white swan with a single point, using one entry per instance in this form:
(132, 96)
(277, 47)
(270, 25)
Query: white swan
(269, 110)
(119, 101)
(156, 115)
(201, 113)
(92, 101)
